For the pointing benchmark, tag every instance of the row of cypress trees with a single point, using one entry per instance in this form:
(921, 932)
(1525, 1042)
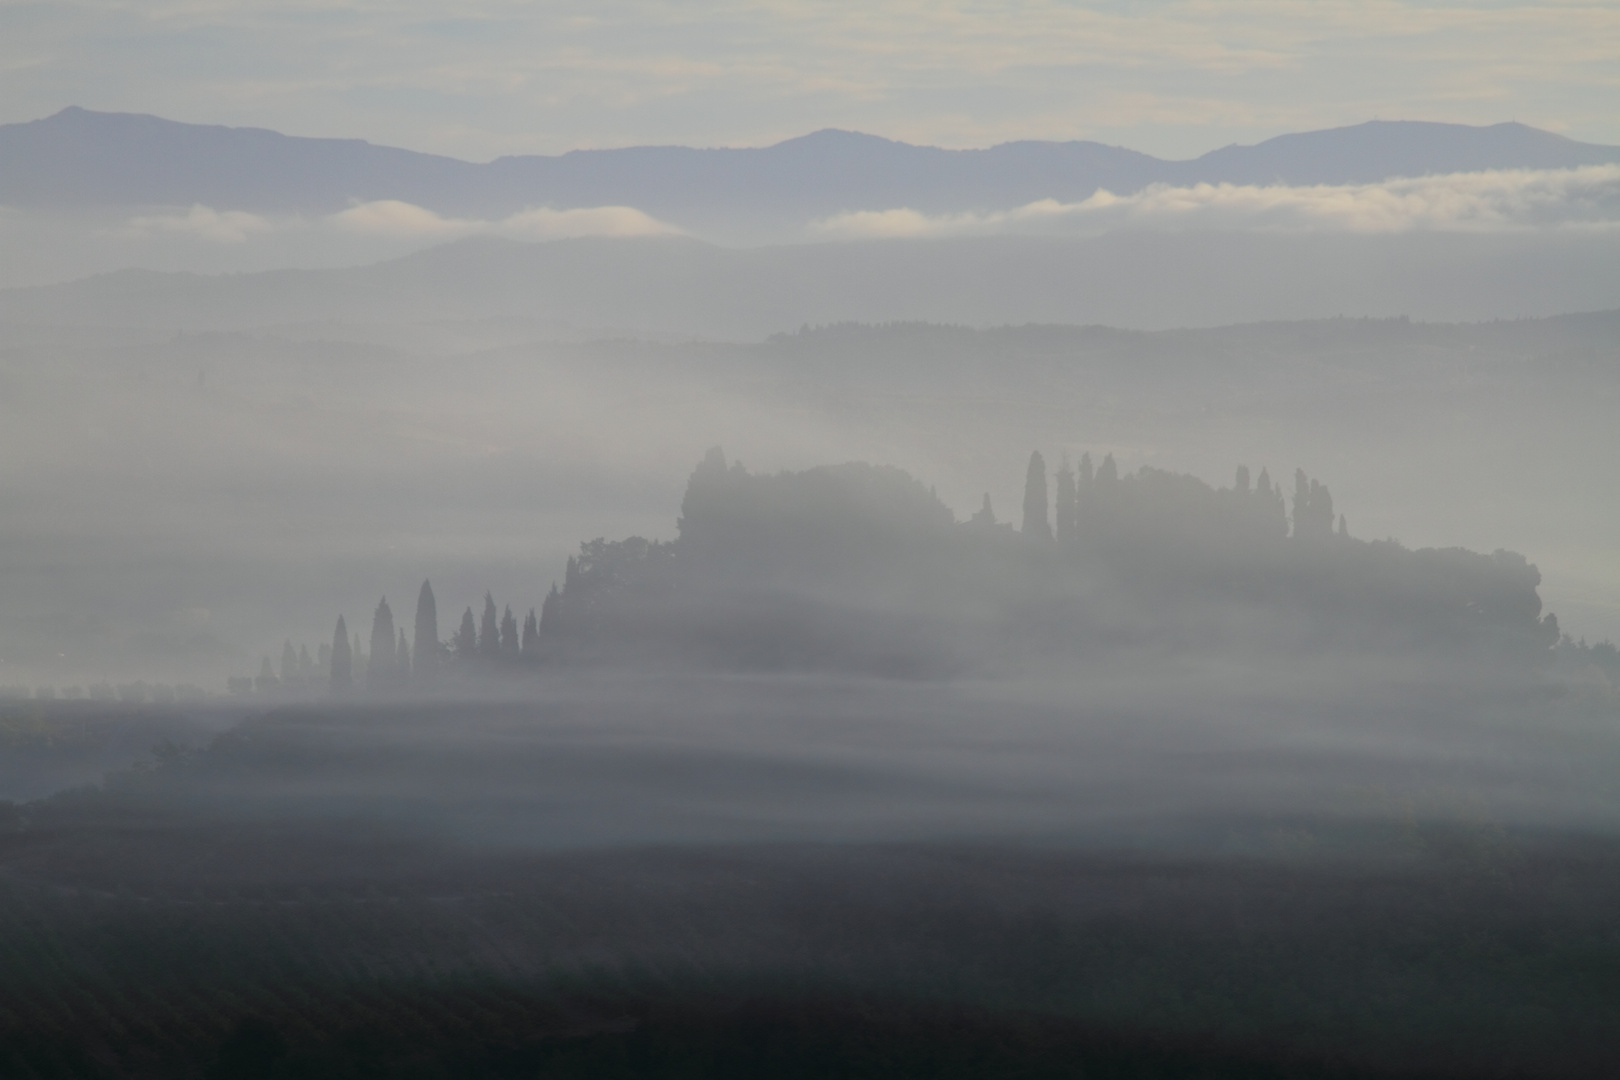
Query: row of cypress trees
(394, 664)
(1313, 517)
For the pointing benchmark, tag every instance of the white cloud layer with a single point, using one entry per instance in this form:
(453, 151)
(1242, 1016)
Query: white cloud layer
(203, 223)
(1587, 197)
(390, 219)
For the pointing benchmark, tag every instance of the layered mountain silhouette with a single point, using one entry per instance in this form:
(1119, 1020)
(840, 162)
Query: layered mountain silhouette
(81, 159)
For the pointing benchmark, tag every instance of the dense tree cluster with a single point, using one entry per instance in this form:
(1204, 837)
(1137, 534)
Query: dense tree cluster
(831, 561)
(861, 565)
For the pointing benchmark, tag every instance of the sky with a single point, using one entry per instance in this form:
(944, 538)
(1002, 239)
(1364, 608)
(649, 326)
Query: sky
(482, 78)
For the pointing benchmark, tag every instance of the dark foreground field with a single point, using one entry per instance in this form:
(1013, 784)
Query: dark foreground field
(808, 961)
(224, 913)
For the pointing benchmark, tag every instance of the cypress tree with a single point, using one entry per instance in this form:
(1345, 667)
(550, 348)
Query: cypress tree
(1037, 518)
(509, 633)
(530, 646)
(380, 669)
(1313, 509)
(402, 660)
(1084, 495)
(267, 677)
(467, 637)
(424, 663)
(1108, 473)
(342, 660)
(1322, 510)
(1271, 509)
(551, 614)
(1302, 505)
(489, 631)
(1067, 505)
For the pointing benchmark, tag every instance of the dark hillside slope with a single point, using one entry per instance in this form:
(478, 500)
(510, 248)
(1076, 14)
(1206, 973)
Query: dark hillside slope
(681, 286)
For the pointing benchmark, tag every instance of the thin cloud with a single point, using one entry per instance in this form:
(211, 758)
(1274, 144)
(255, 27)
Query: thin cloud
(548, 224)
(391, 219)
(202, 222)
(403, 220)
(1587, 197)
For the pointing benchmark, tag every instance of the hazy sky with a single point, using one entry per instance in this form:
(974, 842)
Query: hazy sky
(480, 78)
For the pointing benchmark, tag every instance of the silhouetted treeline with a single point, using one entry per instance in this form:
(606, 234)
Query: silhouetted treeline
(862, 567)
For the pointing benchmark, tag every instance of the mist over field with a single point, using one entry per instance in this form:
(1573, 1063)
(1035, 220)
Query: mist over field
(837, 608)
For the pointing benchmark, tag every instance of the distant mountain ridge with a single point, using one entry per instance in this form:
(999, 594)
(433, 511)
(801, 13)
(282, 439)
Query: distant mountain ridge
(80, 159)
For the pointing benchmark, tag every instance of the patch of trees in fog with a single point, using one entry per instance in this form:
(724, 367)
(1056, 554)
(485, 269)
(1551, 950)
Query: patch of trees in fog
(860, 567)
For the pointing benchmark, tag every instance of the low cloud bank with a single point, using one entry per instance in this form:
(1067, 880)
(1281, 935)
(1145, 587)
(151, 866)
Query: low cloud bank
(1587, 197)
(394, 220)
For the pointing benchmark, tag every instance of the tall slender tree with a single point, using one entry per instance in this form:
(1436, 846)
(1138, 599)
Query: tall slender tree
(402, 660)
(380, 668)
(1085, 500)
(342, 660)
(467, 637)
(509, 634)
(1302, 505)
(530, 646)
(551, 615)
(1108, 473)
(1067, 517)
(424, 664)
(1037, 512)
(489, 631)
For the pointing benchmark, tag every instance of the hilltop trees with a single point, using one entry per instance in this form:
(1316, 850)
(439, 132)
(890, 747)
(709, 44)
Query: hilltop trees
(550, 617)
(860, 564)
(425, 664)
(1037, 522)
(509, 634)
(530, 645)
(1068, 519)
(382, 671)
(489, 631)
(1313, 509)
(342, 660)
